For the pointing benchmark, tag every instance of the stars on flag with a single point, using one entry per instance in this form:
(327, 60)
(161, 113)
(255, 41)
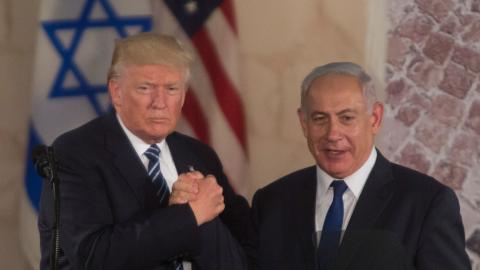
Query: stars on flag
(68, 38)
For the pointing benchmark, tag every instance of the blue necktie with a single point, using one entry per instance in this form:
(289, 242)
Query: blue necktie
(161, 188)
(153, 155)
(332, 228)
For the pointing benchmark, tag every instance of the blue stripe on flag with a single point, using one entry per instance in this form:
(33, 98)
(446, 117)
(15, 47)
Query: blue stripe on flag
(33, 182)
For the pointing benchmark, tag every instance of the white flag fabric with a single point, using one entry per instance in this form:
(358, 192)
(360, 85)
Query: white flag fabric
(73, 53)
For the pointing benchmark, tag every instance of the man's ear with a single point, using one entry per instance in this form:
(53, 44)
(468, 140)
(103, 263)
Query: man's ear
(376, 117)
(115, 93)
(184, 94)
(302, 117)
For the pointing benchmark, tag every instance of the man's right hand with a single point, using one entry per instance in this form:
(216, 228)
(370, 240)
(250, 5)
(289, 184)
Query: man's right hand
(209, 201)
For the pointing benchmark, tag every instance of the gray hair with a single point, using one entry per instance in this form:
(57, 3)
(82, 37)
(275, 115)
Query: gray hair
(344, 68)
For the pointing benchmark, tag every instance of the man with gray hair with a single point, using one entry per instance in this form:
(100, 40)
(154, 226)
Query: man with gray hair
(117, 172)
(354, 209)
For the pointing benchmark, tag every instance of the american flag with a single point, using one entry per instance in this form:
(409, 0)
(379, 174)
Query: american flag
(213, 110)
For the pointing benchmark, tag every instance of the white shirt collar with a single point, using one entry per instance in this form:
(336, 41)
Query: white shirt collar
(138, 144)
(355, 181)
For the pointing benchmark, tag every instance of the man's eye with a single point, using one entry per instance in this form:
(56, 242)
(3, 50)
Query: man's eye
(143, 88)
(319, 119)
(172, 90)
(347, 118)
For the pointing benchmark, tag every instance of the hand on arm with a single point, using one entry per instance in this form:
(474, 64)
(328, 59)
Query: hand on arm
(209, 202)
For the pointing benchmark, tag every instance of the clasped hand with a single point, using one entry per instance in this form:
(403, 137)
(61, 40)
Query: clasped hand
(202, 193)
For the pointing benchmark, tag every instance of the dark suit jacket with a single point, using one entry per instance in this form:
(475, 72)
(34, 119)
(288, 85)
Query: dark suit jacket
(402, 220)
(111, 218)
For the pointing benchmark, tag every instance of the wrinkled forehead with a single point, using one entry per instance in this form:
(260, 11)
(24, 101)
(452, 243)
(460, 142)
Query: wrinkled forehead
(332, 83)
(154, 72)
(335, 92)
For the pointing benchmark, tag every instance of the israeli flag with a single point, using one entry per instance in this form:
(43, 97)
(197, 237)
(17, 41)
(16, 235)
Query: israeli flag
(75, 42)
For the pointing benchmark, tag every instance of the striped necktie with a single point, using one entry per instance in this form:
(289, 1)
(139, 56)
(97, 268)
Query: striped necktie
(332, 228)
(161, 188)
(153, 155)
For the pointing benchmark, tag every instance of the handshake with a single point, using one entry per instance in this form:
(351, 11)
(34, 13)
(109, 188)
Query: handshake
(202, 193)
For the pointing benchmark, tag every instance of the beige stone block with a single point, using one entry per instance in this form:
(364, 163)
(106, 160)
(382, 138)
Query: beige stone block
(312, 27)
(291, 78)
(276, 143)
(261, 104)
(10, 253)
(12, 168)
(4, 15)
(15, 85)
(274, 31)
(275, 158)
(24, 24)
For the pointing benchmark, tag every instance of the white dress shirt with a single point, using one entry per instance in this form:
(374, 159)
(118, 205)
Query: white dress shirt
(355, 183)
(167, 166)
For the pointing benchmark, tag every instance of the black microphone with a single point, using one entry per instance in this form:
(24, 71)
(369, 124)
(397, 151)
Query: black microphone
(46, 166)
(43, 161)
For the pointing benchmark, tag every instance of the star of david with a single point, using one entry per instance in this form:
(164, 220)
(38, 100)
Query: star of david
(79, 27)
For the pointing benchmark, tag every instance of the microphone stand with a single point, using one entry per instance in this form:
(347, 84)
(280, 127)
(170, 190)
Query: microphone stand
(46, 166)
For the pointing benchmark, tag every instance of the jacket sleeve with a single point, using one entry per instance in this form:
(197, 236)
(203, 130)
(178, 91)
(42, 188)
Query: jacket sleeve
(219, 249)
(442, 244)
(91, 237)
(237, 210)
(251, 245)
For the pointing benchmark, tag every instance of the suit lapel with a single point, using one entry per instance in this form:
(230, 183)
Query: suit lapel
(183, 157)
(125, 159)
(303, 208)
(376, 193)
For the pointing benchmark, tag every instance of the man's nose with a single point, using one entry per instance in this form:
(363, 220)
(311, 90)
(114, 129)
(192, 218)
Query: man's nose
(334, 131)
(158, 99)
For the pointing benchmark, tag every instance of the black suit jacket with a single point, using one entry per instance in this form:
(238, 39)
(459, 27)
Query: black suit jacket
(111, 218)
(402, 220)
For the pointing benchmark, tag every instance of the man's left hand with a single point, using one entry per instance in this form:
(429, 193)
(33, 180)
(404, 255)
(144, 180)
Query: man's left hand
(185, 189)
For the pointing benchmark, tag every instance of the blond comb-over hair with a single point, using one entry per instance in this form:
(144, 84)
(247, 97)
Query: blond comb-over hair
(149, 49)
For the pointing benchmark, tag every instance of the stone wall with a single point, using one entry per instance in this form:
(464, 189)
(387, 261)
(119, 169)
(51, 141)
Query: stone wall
(18, 21)
(433, 98)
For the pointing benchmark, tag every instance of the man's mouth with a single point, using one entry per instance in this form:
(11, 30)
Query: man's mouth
(334, 152)
(159, 119)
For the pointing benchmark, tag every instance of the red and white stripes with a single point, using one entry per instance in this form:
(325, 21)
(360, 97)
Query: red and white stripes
(213, 111)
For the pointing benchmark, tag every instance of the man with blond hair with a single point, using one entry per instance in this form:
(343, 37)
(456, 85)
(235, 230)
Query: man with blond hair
(117, 173)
